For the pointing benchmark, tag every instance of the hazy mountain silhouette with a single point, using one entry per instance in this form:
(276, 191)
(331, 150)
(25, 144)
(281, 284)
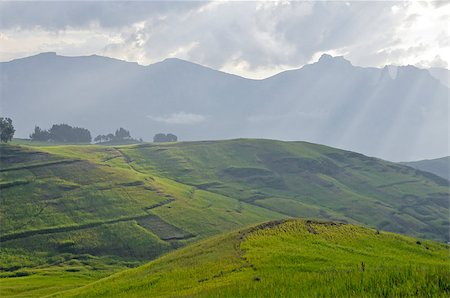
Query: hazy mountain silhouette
(442, 74)
(397, 113)
(438, 166)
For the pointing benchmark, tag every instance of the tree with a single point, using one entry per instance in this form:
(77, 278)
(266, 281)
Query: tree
(67, 134)
(162, 138)
(171, 137)
(100, 138)
(6, 129)
(109, 137)
(40, 135)
(62, 133)
(122, 134)
(159, 138)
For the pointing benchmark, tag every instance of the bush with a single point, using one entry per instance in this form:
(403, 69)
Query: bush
(162, 138)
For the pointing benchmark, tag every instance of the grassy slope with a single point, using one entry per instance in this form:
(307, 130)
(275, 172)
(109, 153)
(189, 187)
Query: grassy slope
(438, 166)
(88, 202)
(290, 259)
(88, 211)
(303, 179)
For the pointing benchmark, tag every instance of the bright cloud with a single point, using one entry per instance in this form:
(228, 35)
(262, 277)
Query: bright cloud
(253, 39)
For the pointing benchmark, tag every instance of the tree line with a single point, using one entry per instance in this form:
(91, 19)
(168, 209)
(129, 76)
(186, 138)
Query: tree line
(61, 133)
(120, 136)
(64, 133)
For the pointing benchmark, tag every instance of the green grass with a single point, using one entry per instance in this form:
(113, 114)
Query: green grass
(295, 178)
(290, 259)
(96, 203)
(27, 274)
(134, 203)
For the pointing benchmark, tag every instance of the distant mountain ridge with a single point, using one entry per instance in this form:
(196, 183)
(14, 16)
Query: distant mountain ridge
(438, 166)
(442, 74)
(396, 113)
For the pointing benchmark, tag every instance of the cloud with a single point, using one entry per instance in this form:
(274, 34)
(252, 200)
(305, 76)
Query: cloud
(254, 39)
(180, 118)
(436, 62)
(56, 15)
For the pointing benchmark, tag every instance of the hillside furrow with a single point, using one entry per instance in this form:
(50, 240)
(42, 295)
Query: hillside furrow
(53, 230)
(397, 183)
(32, 166)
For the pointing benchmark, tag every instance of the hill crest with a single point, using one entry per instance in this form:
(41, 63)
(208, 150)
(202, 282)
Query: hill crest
(292, 256)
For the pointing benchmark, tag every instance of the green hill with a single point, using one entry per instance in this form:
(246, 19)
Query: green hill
(438, 166)
(289, 259)
(73, 214)
(303, 179)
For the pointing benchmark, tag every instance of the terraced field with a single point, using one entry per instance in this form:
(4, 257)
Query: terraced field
(60, 204)
(302, 179)
(76, 213)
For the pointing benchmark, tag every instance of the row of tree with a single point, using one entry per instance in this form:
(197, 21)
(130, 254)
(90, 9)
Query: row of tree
(121, 135)
(62, 133)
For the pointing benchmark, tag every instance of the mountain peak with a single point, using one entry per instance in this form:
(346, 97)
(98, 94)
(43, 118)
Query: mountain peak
(180, 64)
(325, 57)
(46, 54)
(174, 59)
(328, 59)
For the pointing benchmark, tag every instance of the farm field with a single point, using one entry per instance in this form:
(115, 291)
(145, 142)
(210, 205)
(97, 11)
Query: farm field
(73, 214)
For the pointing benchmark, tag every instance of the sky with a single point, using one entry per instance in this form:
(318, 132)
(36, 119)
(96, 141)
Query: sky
(250, 39)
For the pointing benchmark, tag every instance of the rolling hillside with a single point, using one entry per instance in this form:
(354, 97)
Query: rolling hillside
(81, 212)
(75, 214)
(438, 166)
(395, 113)
(304, 179)
(289, 259)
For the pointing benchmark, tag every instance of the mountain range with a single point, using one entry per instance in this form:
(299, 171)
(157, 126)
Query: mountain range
(438, 166)
(398, 113)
